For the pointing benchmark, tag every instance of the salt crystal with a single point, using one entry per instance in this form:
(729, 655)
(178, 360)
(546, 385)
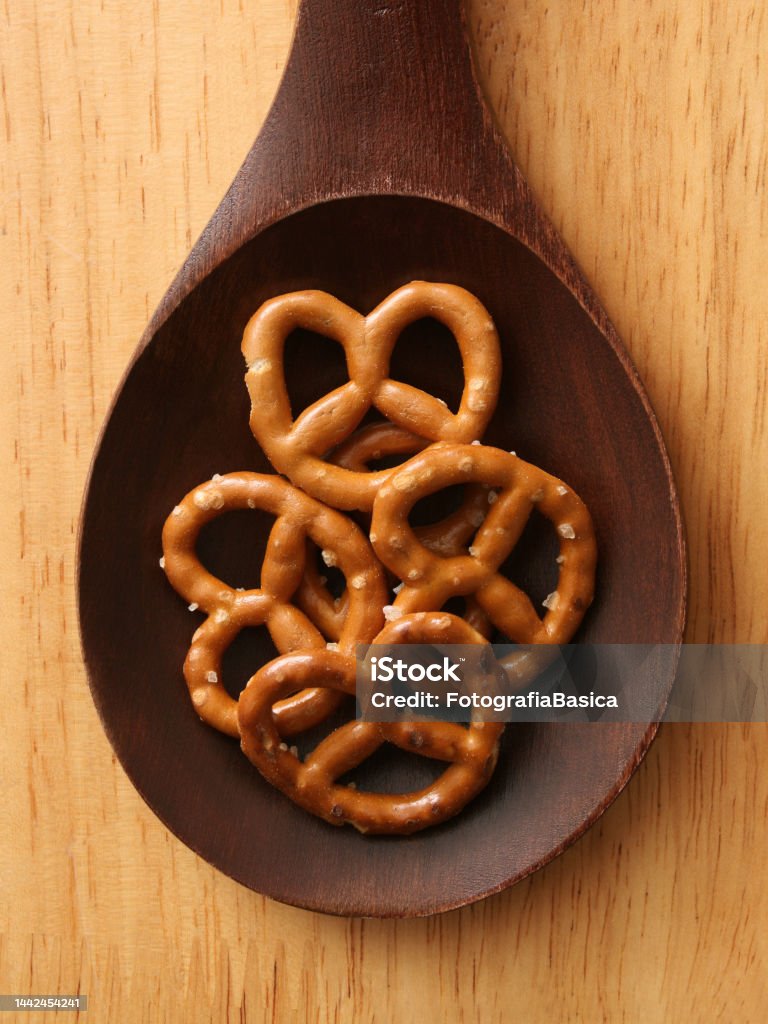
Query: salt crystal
(404, 482)
(260, 366)
(208, 499)
(567, 531)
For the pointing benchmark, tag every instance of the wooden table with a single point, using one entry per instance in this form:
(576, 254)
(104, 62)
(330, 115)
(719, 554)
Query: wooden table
(641, 127)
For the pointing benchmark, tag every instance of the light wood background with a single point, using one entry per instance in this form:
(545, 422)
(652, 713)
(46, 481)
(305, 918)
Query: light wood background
(642, 128)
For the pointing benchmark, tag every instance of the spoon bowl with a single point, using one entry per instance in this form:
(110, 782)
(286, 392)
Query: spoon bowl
(359, 218)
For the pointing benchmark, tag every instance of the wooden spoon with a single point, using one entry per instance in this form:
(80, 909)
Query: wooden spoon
(378, 164)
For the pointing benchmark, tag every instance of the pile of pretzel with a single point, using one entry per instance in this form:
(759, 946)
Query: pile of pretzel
(398, 579)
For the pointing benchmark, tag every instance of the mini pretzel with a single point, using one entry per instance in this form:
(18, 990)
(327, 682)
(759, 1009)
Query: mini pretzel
(381, 439)
(313, 783)
(230, 610)
(297, 447)
(431, 581)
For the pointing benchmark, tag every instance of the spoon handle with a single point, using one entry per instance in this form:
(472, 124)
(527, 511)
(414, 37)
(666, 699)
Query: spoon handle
(380, 96)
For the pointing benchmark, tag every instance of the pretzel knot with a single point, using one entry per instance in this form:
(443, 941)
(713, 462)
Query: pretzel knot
(313, 783)
(520, 488)
(298, 517)
(297, 447)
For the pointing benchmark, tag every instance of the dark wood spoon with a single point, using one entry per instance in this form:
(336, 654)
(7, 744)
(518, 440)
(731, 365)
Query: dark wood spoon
(378, 164)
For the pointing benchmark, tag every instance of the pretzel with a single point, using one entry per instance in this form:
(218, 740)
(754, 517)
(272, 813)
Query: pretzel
(297, 447)
(230, 610)
(313, 783)
(431, 581)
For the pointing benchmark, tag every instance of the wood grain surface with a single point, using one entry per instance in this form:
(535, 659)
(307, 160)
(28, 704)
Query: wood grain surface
(642, 130)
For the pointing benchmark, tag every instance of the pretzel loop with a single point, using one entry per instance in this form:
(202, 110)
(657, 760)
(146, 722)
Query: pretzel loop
(275, 320)
(475, 333)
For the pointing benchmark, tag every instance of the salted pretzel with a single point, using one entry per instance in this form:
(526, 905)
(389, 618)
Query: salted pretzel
(229, 610)
(379, 440)
(519, 488)
(298, 447)
(471, 753)
(448, 536)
